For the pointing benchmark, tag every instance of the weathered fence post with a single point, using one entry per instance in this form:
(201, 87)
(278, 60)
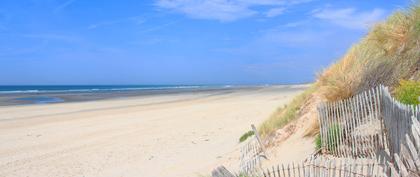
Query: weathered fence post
(257, 135)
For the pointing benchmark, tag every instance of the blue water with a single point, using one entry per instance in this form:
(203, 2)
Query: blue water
(41, 99)
(89, 88)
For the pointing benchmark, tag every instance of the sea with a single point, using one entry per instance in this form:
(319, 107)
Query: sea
(92, 88)
(45, 94)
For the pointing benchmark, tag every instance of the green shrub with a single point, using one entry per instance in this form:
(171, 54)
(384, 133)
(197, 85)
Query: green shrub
(333, 132)
(245, 136)
(318, 142)
(408, 92)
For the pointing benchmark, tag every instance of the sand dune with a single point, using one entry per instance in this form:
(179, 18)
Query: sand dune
(162, 135)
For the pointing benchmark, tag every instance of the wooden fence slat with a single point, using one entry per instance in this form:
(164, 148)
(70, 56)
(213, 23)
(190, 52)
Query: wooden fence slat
(400, 165)
(335, 124)
(282, 169)
(328, 118)
(298, 170)
(349, 127)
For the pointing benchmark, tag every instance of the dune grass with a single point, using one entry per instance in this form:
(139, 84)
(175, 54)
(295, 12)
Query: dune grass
(390, 52)
(282, 116)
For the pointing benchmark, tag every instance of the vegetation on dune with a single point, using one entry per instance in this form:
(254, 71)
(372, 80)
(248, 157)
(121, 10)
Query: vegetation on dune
(408, 92)
(389, 53)
(286, 114)
(331, 141)
(318, 142)
(246, 136)
(333, 132)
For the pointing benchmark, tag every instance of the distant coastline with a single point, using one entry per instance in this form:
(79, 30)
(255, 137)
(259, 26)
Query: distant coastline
(24, 95)
(89, 88)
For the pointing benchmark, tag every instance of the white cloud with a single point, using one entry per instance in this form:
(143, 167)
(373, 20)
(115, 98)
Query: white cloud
(294, 38)
(275, 12)
(350, 17)
(225, 10)
(295, 24)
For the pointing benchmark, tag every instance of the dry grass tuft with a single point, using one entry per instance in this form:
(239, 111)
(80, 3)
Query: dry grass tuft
(313, 129)
(282, 116)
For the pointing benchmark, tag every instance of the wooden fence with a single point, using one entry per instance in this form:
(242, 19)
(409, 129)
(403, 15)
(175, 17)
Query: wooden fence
(323, 167)
(370, 134)
(365, 124)
(316, 167)
(397, 119)
(373, 124)
(250, 158)
(406, 162)
(222, 172)
(352, 127)
(252, 153)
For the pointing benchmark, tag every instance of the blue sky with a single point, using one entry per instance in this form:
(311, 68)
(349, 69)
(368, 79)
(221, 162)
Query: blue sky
(179, 41)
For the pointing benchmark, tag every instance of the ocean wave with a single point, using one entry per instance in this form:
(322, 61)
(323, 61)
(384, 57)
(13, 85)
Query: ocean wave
(19, 91)
(100, 89)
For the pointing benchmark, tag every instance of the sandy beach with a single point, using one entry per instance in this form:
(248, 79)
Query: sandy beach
(180, 135)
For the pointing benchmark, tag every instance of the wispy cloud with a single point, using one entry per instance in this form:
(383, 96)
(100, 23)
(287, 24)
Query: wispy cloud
(226, 10)
(135, 19)
(11, 51)
(275, 12)
(263, 67)
(295, 24)
(159, 27)
(57, 37)
(294, 38)
(350, 17)
(63, 5)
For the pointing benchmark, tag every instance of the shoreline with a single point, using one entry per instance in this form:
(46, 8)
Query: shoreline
(19, 99)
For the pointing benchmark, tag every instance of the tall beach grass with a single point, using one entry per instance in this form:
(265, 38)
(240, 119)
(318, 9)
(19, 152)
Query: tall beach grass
(390, 52)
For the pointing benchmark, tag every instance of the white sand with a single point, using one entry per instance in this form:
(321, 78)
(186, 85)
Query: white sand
(169, 135)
